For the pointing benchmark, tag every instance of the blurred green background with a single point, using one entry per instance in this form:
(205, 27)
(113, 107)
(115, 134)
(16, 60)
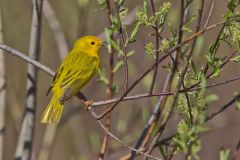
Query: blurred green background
(78, 136)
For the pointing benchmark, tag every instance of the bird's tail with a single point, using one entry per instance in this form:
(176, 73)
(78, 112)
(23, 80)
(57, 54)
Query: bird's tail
(53, 112)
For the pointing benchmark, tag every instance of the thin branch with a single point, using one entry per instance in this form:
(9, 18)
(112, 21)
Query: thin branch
(152, 122)
(110, 86)
(100, 103)
(157, 47)
(115, 138)
(184, 14)
(178, 87)
(127, 20)
(206, 67)
(123, 46)
(56, 28)
(2, 93)
(47, 70)
(25, 139)
(146, 95)
(224, 107)
(155, 113)
(23, 56)
(155, 64)
(236, 151)
(210, 13)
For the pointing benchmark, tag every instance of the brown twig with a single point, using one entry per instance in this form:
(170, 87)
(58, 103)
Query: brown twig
(157, 47)
(210, 13)
(47, 70)
(110, 87)
(23, 56)
(152, 122)
(25, 139)
(2, 93)
(63, 49)
(236, 151)
(155, 64)
(224, 107)
(123, 46)
(178, 87)
(115, 138)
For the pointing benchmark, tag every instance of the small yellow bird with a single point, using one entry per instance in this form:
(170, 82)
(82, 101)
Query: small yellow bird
(77, 68)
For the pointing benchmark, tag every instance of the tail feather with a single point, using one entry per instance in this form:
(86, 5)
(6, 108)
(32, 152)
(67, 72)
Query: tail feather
(53, 112)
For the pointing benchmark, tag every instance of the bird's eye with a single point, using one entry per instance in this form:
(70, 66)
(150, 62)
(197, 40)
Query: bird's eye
(92, 43)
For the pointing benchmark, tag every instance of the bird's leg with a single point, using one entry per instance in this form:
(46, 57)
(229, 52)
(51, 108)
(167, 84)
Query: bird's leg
(88, 102)
(84, 100)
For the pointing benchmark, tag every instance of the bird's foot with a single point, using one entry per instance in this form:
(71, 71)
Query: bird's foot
(87, 103)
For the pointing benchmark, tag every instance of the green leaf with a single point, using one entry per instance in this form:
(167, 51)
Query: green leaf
(186, 29)
(236, 59)
(118, 65)
(211, 98)
(214, 47)
(102, 76)
(121, 2)
(232, 4)
(130, 53)
(145, 6)
(114, 89)
(133, 33)
(237, 101)
(190, 21)
(116, 46)
(164, 151)
(149, 47)
(216, 72)
(224, 154)
(238, 104)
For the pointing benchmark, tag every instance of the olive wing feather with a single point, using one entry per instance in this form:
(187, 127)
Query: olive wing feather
(73, 81)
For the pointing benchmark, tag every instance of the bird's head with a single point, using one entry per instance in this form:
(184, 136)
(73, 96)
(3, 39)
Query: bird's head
(89, 44)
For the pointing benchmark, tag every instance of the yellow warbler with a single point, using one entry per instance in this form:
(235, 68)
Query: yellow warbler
(76, 70)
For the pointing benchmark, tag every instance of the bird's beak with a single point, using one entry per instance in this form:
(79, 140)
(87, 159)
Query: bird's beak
(105, 43)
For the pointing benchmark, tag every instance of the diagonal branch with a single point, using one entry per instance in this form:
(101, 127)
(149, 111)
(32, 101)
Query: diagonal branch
(178, 86)
(23, 56)
(155, 64)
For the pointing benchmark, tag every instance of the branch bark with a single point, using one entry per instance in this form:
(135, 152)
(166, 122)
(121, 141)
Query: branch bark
(25, 139)
(2, 93)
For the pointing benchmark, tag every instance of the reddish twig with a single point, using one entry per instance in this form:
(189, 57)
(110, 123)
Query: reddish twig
(123, 46)
(179, 83)
(157, 48)
(152, 122)
(236, 151)
(223, 108)
(110, 87)
(155, 64)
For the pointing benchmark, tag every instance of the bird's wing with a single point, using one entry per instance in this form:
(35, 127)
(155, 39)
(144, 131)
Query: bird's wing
(55, 78)
(75, 79)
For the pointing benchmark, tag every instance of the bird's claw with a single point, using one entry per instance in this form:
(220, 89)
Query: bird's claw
(88, 103)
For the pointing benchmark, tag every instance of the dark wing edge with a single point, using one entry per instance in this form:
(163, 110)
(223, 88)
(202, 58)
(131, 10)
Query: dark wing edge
(54, 80)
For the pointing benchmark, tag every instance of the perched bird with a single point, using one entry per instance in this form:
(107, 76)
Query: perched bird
(77, 68)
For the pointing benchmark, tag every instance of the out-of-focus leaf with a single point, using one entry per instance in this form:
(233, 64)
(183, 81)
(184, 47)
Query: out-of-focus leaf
(133, 33)
(224, 154)
(118, 65)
